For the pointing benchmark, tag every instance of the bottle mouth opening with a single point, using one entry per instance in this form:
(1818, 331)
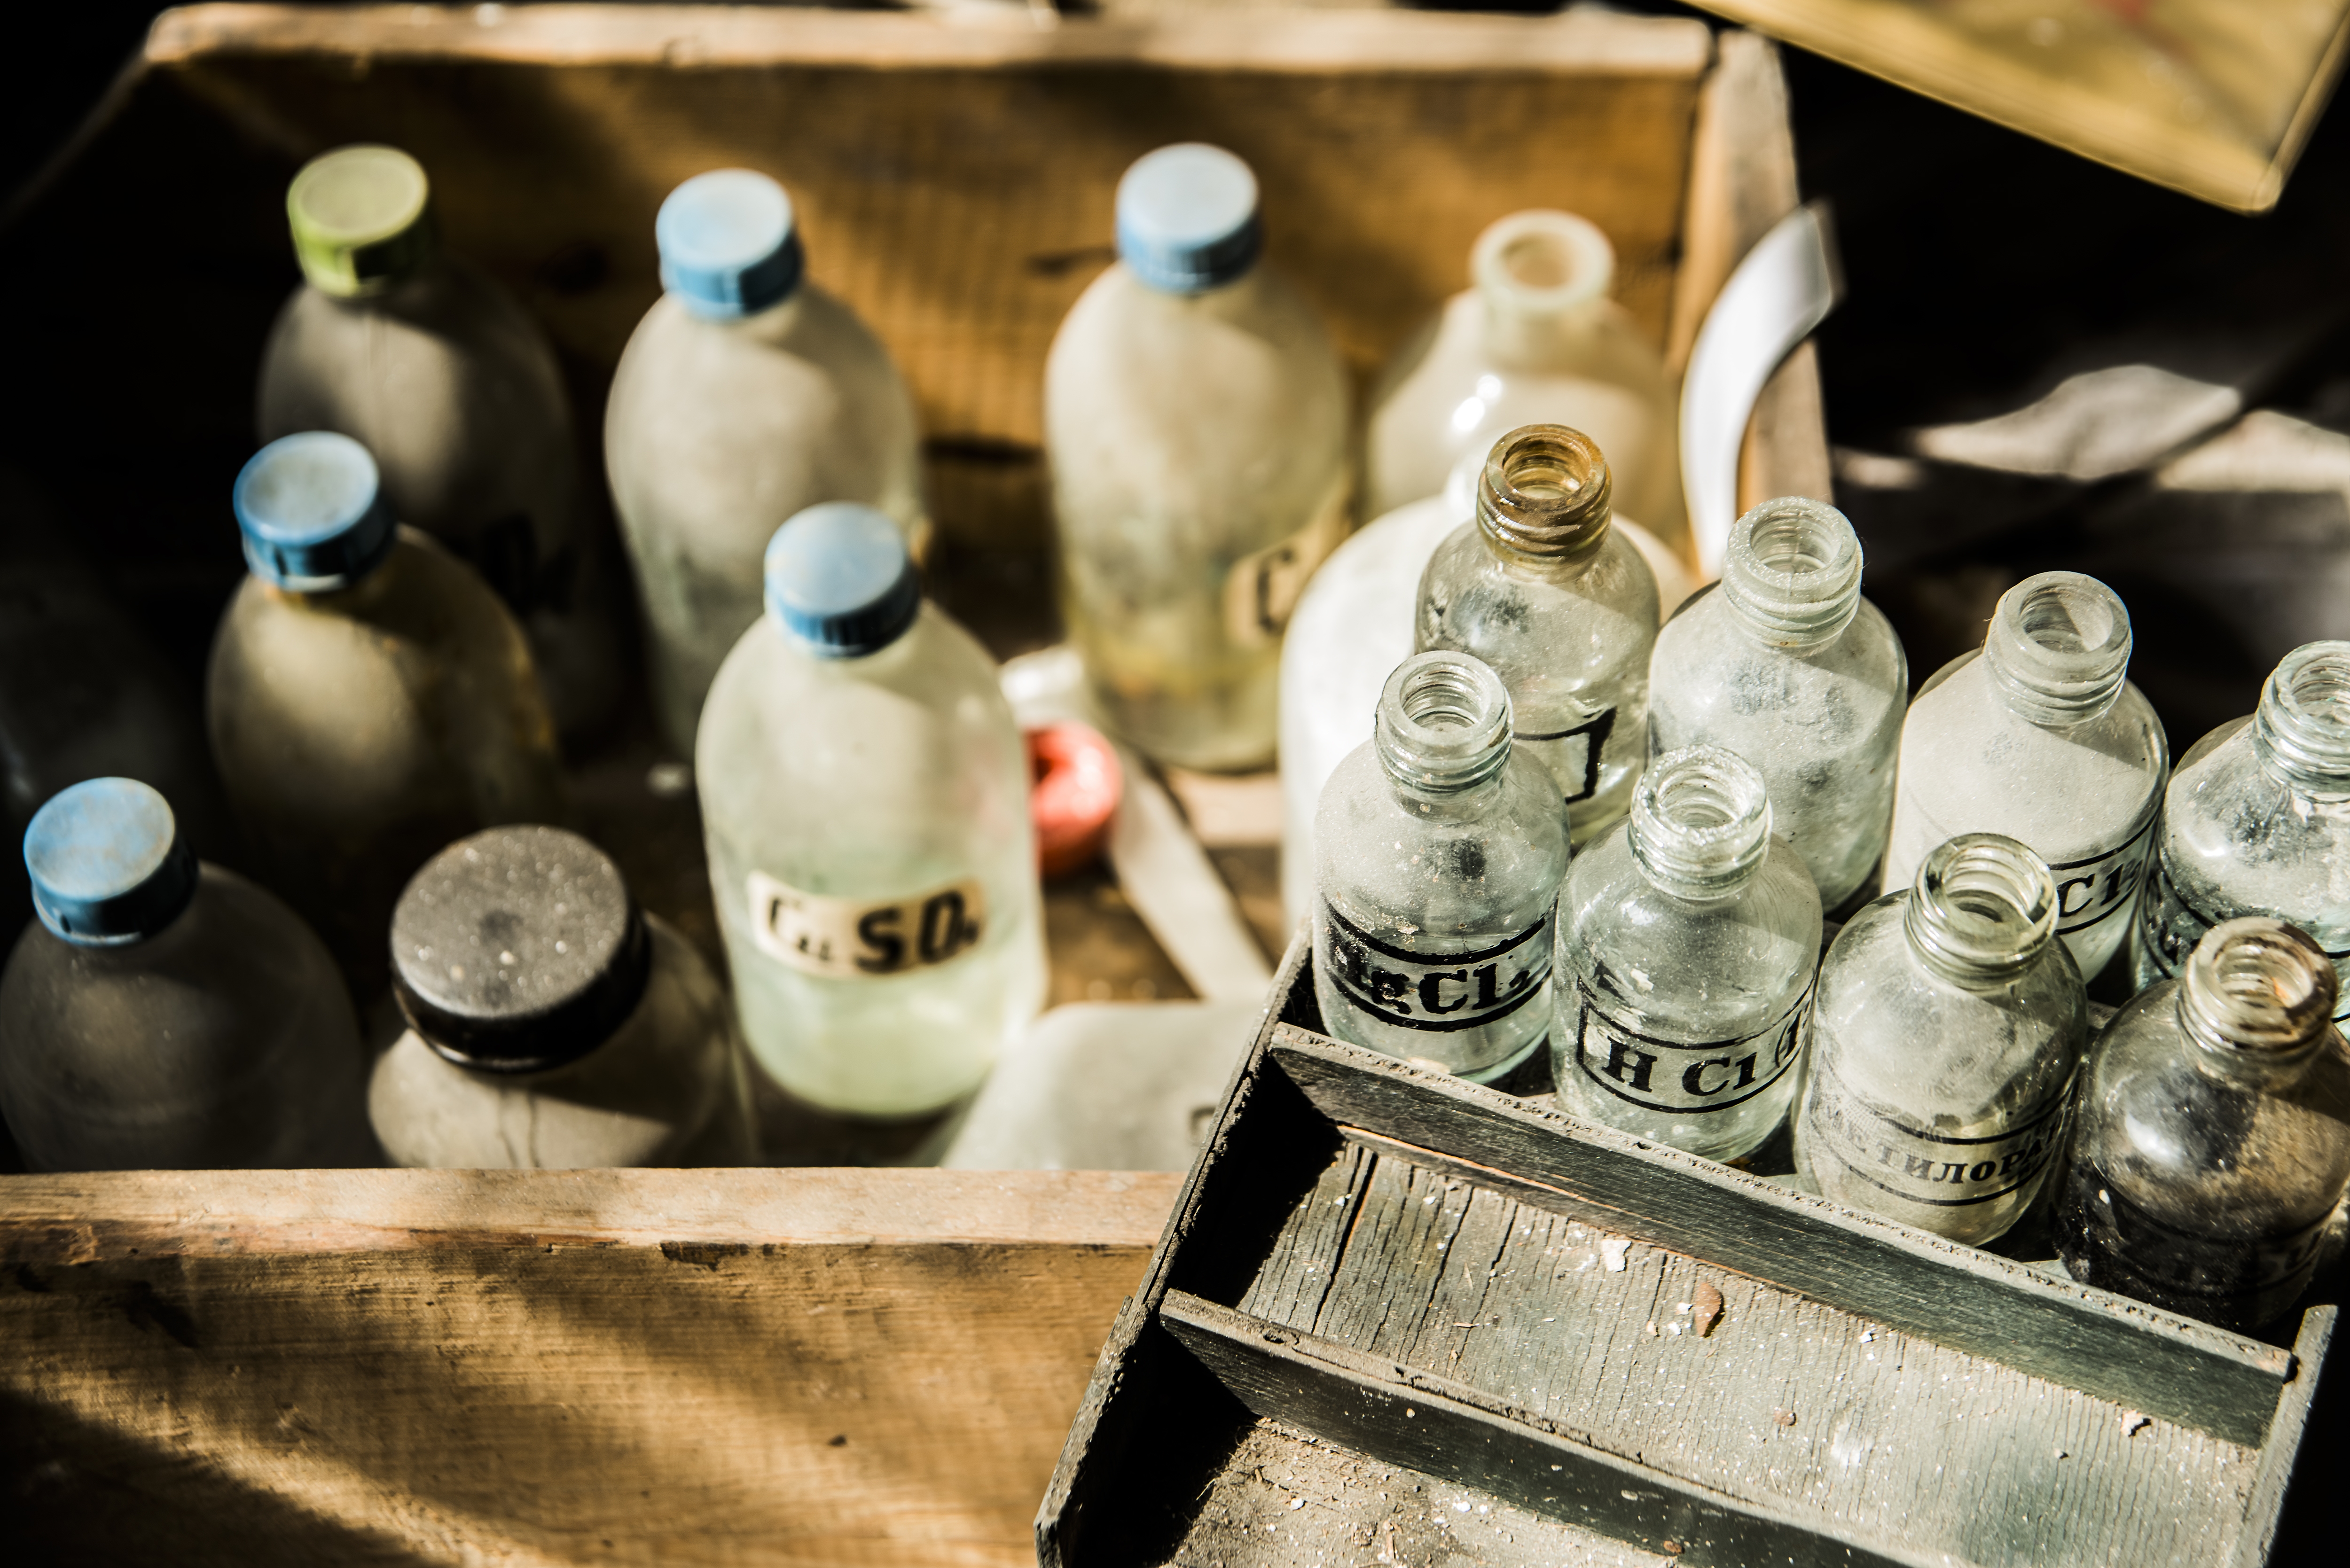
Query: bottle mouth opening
(2060, 645)
(2304, 712)
(1700, 819)
(1983, 905)
(1444, 722)
(1542, 262)
(1545, 490)
(2259, 984)
(1794, 567)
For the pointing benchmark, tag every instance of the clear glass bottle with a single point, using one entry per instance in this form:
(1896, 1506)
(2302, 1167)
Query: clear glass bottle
(746, 394)
(1563, 609)
(552, 1024)
(2212, 1143)
(1438, 856)
(370, 700)
(865, 796)
(166, 1014)
(432, 367)
(2256, 821)
(1536, 341)
(1788, 666)
(2040, 735)
(1947, 1028)
(1687, 939)
(1195, 418)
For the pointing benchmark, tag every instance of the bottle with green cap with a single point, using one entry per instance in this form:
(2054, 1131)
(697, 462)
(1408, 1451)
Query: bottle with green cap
(746, 394)
(552, 1022)
(865, 796)
(370, 700)
(1195, 419)
(430, 364)
(164, 1013)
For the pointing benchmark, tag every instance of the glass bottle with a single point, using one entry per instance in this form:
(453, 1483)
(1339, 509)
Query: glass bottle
(2256, 821)
(746, 394)
(1687, 939)
(1946, 1031)
(1195, 418)
(2212, 1144)
(432, 367)
(1563, 607)
(865, 796)
(1438, 855)
(2039, 735)
(1788, 666)
(167, 1015)
(1536, 341)
(552, 1024)
(370, 700)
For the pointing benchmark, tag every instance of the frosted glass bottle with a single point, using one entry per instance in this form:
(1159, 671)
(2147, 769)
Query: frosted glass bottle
(2040, 736)
(865, 796)
(1437, 857)
(551, 1023)
(433, 368)
(1195, 418)
(1563, 609)
(1686, 939)
(745, 395)
(2213, 1137)
(165, 1014)
(369, 700)
(1946, 1031)
(1785, 664)
(2256, 821)
(1536, 341)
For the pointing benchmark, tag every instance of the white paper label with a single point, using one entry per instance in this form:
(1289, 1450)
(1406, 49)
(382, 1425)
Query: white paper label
(1659, 1075)
(1262, 590)
(1937, 1169)
(2090, 889)
(860, 938)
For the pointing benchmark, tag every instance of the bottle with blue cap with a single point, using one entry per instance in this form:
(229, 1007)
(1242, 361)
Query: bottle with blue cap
(164, 1013)
(1195, 419)
(864, 797)
(746, 394)
(370, 700)
(428, 362)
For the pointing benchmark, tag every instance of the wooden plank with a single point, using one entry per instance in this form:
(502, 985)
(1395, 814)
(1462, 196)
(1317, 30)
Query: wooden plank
(2264, 1512)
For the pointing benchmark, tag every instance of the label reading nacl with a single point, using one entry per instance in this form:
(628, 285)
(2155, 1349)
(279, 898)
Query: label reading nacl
(860, 938)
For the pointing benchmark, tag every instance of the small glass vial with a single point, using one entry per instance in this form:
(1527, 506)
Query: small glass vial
(746, 395)
(2213, 1137)
(1195, 418)
(1687, 939)
(2256, 821)
(1438, 856)
(1563, 607)
(166, 1014)
(369, 698)
(1536, 340)
(432, 367)
(864, 797)
(552, 1024)
(1946, 1032)
(1788, 666)
(2039, 735)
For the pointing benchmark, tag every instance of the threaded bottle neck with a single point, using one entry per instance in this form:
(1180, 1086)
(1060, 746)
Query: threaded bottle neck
(1537, 272)
(2059, 649)
(2257, 995)
(1701, 822)
(1793, 571)
(1544, 492)
(1983, 909)
(1443, 723)
(2303, 724)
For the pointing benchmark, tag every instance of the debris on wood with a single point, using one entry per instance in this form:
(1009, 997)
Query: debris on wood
(2132, 1421)
(1785, 1417)
(1611, 1253)
(1707, 1308)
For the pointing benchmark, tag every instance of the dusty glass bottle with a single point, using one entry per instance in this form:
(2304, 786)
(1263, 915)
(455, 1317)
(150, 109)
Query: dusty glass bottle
(432, 367)
(2039, 735)
(2212, 1143)
(1438, 856)
(1687, 941)
(2256, 821)
(864, 797)
(1563, 607)
(1947, 1028)
(746, 394)
(1785, 664)
(552, 1024)
(1195, 418)
(166, 1014)
(369, 698)
(1536, 341)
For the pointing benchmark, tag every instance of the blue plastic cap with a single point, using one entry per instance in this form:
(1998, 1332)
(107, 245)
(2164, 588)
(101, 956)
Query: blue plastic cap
(1186, 218)
(840, 581)
(107, 864)
(312, 510)
(729, 247)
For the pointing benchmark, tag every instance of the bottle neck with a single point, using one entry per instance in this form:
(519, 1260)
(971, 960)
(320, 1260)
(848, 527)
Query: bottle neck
(1543, 498)
(2256, 1000)
(1982, 910)
(1792, 573)
(1443, 725)
(2058, 651)
(1542, 281)
(2301, 728)
(1700, 823)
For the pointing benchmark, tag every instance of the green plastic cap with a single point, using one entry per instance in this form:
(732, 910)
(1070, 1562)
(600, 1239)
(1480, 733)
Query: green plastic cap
(361, 218)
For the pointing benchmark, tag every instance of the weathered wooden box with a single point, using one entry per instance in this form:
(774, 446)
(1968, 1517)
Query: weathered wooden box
(1396, 1316)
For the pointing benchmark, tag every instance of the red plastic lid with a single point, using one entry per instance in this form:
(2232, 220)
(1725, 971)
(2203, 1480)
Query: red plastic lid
(1077, 783)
